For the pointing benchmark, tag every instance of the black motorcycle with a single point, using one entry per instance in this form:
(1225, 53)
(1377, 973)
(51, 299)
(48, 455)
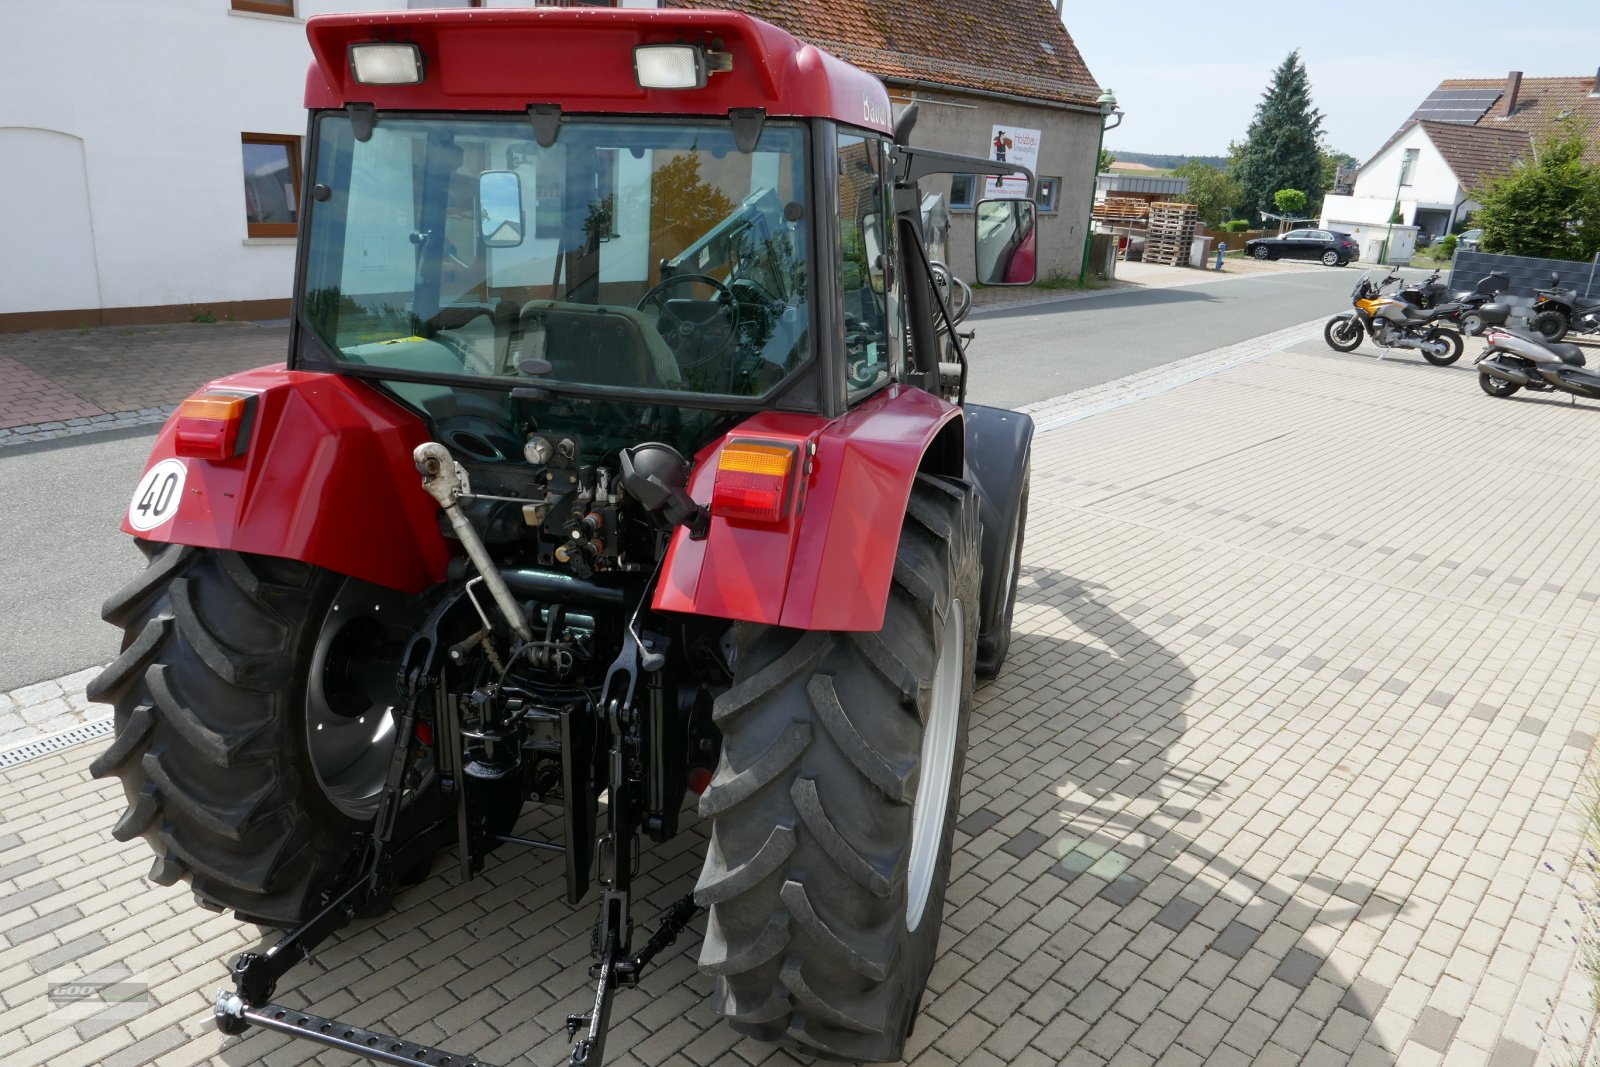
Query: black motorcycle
(1558, 311)
(1517, 359)
(1470, 310)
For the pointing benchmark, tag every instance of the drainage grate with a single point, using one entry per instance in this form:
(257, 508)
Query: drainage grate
(44, 746)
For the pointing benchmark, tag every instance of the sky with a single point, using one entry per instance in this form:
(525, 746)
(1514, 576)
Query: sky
(1189, 73)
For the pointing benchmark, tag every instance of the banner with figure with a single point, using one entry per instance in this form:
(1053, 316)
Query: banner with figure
(1012, 144)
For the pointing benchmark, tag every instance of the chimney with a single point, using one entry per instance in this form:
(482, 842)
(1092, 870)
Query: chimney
(1513, 83)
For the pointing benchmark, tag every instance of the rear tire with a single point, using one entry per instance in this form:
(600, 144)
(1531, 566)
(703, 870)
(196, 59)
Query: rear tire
(1262, 252)
(1497, 386)
(1330, 258)
(834, 804)
(1342, 335)
(211, 740)
(1451, 338)
(1551, 325)
(1472, 323)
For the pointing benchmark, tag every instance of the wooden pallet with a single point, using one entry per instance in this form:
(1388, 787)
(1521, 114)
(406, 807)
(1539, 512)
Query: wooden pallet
(1171, 233)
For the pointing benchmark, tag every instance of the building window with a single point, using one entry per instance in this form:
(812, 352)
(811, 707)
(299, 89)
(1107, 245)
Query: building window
(1049, 195)
(963, 187)
(271, 184)
(1407, 164)
(266, 7)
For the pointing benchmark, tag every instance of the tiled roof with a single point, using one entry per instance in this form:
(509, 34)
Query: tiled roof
(1477, 152)
(1472, 152)
(1540, 101)
(1017, 47)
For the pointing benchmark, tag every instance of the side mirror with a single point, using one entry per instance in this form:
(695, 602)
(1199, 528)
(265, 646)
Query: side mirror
(500, 221)
(1006, 242)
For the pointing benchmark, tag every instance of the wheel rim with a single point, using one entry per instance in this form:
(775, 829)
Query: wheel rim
(350, 713)
(1329, 258)
(1345, 332)
(938, 764)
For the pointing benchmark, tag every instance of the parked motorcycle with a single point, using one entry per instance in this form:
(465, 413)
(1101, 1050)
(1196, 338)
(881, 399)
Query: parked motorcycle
(1517, 359)
(1391, 322)
(1558, 311)
(1470, 310)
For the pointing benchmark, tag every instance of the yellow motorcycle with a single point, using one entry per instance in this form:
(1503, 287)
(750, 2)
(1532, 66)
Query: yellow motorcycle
(1392, 322)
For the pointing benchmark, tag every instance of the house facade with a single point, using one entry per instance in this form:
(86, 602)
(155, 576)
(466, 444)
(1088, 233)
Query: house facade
(160, 180)
(1467, 131)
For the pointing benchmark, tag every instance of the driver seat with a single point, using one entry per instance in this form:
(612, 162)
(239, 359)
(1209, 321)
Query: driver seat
(597, 344)
(1568, 353)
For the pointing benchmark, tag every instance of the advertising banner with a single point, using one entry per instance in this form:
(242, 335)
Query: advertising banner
(1012, 144)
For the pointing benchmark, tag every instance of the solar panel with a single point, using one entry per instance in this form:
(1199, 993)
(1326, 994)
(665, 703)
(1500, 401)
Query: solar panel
(1456, 105)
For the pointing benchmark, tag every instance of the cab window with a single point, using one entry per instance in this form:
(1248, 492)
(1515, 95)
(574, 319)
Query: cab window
(871, 292)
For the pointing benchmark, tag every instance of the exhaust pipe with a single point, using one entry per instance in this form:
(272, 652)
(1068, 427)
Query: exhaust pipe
(1505, 373)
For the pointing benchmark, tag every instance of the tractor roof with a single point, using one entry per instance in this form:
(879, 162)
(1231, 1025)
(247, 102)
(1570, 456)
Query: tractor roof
(494, 59)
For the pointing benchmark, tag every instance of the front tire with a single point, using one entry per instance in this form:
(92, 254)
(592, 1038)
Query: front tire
(834, 804)
(992, 649)
(1551, 325)
(214, 731)
(1342, 334)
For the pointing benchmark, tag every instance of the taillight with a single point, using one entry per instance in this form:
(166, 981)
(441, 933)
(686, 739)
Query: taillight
(213, 425)
(755, 481)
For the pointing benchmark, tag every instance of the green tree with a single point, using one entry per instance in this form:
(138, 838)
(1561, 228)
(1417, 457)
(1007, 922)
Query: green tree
(1107, 157)
(1290, 201)
(1333, 162)
(1213, 191)
(1546, 206)
(1280, 149)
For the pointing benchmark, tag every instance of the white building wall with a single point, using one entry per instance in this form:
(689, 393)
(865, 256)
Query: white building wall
(156, 97)
(1431, 184)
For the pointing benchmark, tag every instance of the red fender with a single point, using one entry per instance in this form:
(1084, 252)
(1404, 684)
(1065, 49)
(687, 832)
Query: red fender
(828, 567)
(326, 478)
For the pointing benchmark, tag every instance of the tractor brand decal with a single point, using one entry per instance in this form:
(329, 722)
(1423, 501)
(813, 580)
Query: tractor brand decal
(873, 116)
(158, 495)
(1012, 144)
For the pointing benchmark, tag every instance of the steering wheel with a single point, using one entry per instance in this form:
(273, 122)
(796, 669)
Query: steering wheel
(680, 332)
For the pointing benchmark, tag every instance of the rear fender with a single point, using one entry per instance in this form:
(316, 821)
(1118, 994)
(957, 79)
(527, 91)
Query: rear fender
(828, 566)
(325, 478)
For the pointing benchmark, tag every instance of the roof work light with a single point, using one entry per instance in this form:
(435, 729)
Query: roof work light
(386, 64)
(677, 66)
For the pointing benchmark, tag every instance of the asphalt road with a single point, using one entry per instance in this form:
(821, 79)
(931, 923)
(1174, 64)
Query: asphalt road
(1037, 351)
(62, 501)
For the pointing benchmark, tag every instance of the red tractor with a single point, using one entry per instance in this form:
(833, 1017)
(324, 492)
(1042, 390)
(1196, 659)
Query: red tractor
(621, 454)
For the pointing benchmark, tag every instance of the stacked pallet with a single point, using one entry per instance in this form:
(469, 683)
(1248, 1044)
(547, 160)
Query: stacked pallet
(1170, 234)
(1121, 211)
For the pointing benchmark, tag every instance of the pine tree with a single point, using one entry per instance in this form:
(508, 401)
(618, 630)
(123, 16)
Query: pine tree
(1280, 149)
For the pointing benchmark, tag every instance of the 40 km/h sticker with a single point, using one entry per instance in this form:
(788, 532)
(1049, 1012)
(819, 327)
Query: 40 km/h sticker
(158, 496)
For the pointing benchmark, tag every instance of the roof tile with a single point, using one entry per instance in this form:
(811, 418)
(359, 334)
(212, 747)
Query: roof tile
(1018, 47)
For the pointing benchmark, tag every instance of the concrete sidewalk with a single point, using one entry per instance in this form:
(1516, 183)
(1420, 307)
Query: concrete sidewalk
(1286, 767)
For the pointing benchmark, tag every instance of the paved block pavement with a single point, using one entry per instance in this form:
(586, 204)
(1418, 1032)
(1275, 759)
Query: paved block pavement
(1286, 767)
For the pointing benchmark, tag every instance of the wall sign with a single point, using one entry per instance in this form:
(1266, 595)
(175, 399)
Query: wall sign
(1012, 144)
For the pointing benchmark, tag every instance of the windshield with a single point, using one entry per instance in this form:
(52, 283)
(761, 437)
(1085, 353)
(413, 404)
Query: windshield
(635, 257)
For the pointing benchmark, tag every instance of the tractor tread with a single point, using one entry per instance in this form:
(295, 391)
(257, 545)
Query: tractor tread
(773, 939)
(233, 819)
(816, 927)
(730, 881)
(140, 814)
(728, 788)
(235, 668)
(809, 804)
(897, 783)
(167, 560)
(141, 720)
(213, 747)
(871, 1021)
(800, 659)
(107, 686)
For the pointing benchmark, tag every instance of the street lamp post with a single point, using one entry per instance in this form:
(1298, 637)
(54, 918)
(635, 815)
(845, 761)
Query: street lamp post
(1108, 109)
